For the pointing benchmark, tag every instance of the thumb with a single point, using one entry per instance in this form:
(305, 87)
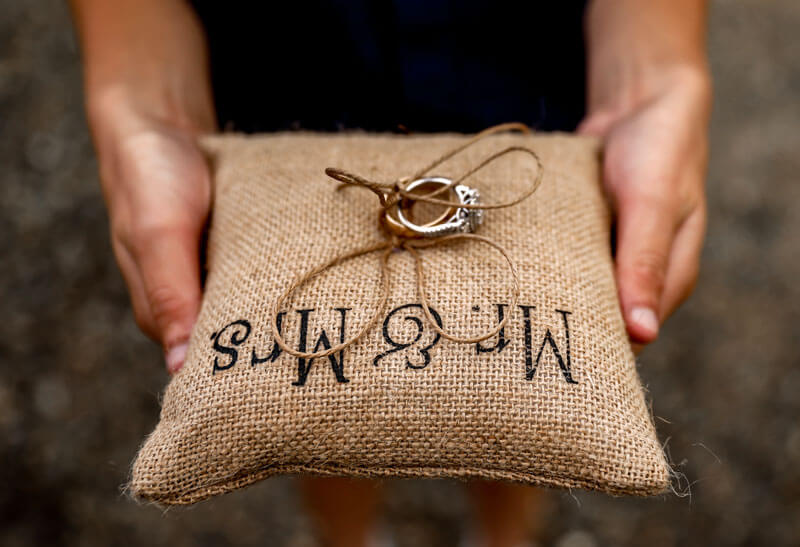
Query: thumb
(170, 271)
(645, 230)
(597, 124)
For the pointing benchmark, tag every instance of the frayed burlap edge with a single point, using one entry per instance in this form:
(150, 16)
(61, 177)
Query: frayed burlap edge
(248, 477)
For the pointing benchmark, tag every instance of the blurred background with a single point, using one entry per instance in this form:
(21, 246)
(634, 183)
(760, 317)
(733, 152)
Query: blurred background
(80, 386)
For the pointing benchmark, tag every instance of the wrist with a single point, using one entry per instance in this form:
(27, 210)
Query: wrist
(628, 85)
(117, 109)
(124, 119)
(145, 64)
(637, 50)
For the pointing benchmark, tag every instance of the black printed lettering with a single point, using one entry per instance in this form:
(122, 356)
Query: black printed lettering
(240, 331)
(502, 342)
(530, 365)
(398, 346)
(227, 342)
(276, 349)
(304, 365)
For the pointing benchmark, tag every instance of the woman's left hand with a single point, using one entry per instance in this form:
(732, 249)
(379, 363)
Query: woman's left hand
(654, 168)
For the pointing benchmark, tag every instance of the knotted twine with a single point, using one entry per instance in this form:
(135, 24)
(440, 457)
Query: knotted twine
(389, 194)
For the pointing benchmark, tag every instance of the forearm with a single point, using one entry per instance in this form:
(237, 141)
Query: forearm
(633, 43)
(147, 57)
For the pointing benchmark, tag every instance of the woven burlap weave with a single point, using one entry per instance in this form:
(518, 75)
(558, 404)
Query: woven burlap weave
(553, 400)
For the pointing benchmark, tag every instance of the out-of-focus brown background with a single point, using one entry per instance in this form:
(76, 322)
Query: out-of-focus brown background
(79, 386)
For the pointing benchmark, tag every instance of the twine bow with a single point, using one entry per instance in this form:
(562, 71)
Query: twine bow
(389, 194)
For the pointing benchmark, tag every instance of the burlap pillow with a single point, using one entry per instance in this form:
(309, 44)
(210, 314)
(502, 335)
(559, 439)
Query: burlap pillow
(553, 400)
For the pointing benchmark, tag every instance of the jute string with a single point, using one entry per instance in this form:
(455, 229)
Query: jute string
(389, 194)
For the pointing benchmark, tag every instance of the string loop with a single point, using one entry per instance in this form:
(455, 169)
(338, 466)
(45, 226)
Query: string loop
(389, 193)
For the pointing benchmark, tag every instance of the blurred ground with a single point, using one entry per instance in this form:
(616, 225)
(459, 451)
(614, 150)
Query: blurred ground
(79, 385)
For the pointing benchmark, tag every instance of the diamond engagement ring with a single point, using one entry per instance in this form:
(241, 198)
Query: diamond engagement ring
(399, 218)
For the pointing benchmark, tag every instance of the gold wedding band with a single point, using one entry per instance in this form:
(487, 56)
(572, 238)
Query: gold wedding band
(399, 218)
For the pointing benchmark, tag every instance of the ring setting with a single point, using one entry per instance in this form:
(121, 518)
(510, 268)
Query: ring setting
(399, 218)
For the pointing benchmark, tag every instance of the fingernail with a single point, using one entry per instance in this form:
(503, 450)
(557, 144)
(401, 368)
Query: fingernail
(175, 357)
(646, 319)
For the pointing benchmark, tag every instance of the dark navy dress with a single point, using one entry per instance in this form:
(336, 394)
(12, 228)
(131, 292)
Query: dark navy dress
(389, 65)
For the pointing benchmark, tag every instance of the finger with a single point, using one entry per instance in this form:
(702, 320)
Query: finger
(684, 262)
(645, 230)
(168, 259)
(133, 279)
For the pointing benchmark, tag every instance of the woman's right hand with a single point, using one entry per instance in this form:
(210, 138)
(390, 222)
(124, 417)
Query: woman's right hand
(157, 187)
(148, 98)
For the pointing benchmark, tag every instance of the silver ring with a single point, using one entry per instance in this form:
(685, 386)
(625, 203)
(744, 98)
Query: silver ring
(463, 220)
